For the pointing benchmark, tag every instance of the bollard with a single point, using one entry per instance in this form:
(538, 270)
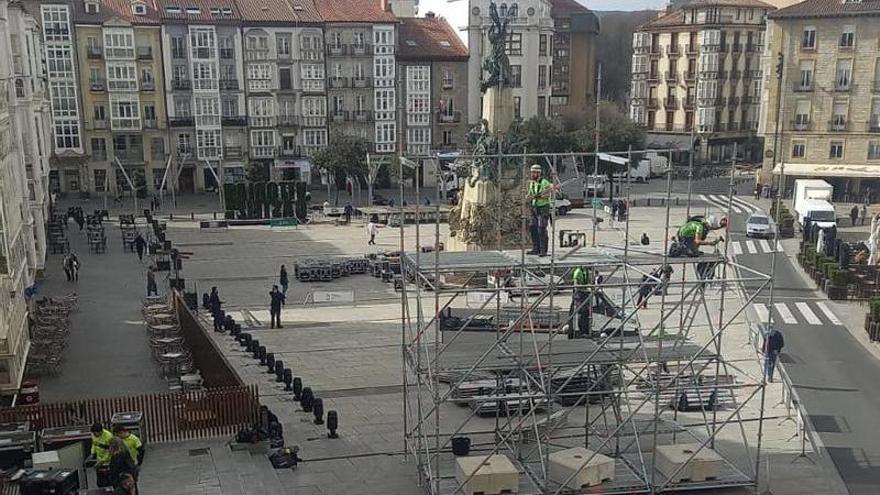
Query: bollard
(192, 215)
(279, 371)
(318, 410)
(261, 352)
(270, 362)
(306, 399)
(171, 216)
(332, 424)
(288, 379)
(297, 388)
(215, 215)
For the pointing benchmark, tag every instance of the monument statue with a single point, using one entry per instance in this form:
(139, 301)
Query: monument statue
(488, 212)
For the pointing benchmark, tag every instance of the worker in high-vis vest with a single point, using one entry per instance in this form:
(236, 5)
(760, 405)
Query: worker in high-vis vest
(540, 190)
(101, 452)
(581, 310)
(132, 443)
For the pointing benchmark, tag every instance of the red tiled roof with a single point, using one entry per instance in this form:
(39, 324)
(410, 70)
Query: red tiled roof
(427, 38)
(354, 11)
(204, 7)
(666, 19)
(567, 8)
(758, 4)
(828, 8)
(115, 9)
(278, 11)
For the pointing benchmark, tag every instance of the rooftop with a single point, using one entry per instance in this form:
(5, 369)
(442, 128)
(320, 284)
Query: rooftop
(278, 11)
(676, 17)
(429, 38)
(116, 9)
(828, 8)
(354, 11)
(199, 11)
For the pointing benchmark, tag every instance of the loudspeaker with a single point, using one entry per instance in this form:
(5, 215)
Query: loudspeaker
(297, 388)
(270, 362)
(318, 410)
(306, 399)
(279, 371)
(288, 379)
(332, 424)
(261, 353)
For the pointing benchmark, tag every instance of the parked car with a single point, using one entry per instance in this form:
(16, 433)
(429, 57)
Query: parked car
(380, 200)
(759, 225)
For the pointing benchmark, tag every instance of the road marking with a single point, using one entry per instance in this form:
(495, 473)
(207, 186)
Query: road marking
(805, 310)
(746, 205)
(722, 204)
(785, 313)
(737, 248)
(750, 246)
(762, 311)
(823, 306)
(765, 246)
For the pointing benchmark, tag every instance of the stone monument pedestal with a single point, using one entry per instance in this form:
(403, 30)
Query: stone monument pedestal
(498, 109)
(481, 193)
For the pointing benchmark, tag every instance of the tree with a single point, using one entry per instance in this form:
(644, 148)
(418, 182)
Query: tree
(543, 135)
(344, 156)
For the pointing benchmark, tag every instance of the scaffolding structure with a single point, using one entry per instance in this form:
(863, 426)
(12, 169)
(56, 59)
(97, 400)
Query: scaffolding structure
(488, 355)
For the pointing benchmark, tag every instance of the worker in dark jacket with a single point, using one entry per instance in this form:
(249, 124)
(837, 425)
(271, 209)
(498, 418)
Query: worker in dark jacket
(277, 300)
(773, 344)
(283, 280)
(139, 245)
(215, 303)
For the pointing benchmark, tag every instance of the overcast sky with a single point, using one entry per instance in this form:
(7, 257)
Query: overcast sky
(456, 11)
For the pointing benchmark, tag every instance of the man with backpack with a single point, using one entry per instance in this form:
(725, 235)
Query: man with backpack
(694, 232)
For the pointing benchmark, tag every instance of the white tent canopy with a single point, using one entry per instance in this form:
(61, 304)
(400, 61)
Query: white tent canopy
(829, 170)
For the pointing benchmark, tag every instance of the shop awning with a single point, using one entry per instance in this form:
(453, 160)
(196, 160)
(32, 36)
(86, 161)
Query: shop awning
(304, 165)
(829, 170)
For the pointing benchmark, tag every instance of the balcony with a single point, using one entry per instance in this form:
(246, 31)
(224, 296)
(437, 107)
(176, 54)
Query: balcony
(229, 84)
(288, 121)
(693, 49)
(653, 76)
(837, 125)
(233, 152)
(227, 53)
(448, 117)
(735, 75)
(652, 103)
(130, 156)
(446, 83)
(145, 53)
(263, 151)
(336, 50)
(873, 125)
(753, 74)
(151, 124)
(97, 85)
(690, 76)
(181, 121)
(800, 87)
(338, 82)
(361, 82)
(842, 88)
(737, 47)
(362, 115)
(148, 85)
(233, 121)
(670, 103)
(750, 100)
(181, 84)
(733, 101)
(339, 116)
(672, 77)
(673, 51)
(294, 151)
(313, 85)
(102, 124)
(655, 52)
(361, 50)
(688, 103)
(800, 125)
(95, 52)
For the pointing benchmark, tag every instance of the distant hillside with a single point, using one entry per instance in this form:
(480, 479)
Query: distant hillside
(614, 50)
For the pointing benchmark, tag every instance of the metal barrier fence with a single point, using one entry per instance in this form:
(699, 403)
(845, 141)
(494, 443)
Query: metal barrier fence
(216, 372)
(168, 417)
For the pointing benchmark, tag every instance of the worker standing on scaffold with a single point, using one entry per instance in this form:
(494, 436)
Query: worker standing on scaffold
(540, 190)
(581, 310)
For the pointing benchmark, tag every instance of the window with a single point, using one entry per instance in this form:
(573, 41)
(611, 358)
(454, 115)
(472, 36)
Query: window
(386, 135)
(182, 107)
(848, 37)
(179, 73)
(806, 75)
(418, 79)
(229, 107)
(802, 115)
(122, 76)
(261, 112)
(338, 104)
(63, 99)
(836, 150)
(838, 116)
(384, 104)
(207, 111)
(100, 174)
(383, 68)
(157, 149)
(67, 135)
(516, 76)
(315, 137)
(184, 144)
(208, 144)
(284, 78)
(263, 144)
(283, 47)
(99, 152)
(59, 61)
(288, 143)
(709, 62)
(100, 113)
(542, 45)
(542, 76)
(227, 48)
(874, 150)
(843, 75)
(799, 149)
(358, 40)
(514, 44)
(542, 105)
(178, 47)
(124, 112)
(359, 72)
(875, 115)
(205, 75)
(150, 115)
(259, 77)
(639, 64)
(147, 78)
(118, 43)
(447, 138)
(808, 41)
(314, 107)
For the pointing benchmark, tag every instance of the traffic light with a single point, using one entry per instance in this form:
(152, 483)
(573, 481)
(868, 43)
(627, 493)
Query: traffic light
(779, 65)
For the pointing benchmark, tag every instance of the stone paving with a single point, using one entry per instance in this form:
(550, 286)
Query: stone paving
(351, 356)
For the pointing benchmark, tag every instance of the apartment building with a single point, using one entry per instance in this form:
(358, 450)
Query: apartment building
(572, 79)
(361, 40)
(121, 88)
(829, 113)
(68, 174)
(550, 48)
(25, 147)
(697, 70)
(205, 100)
(286, 85)
(433, 72)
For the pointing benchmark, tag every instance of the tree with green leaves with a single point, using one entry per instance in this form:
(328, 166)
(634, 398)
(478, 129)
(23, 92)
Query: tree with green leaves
(344, 156)
(257, 171)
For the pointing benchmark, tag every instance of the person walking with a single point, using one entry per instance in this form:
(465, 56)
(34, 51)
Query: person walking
(72, 265)
(152, 288)
(66, 265)
(215, 303)
(127, 485)
(100, 451)
(539, 198)
(283, 280)
(133, 444)
(139, 245)
(863, 213)
(347, 211)
(372, 230)
(773, 344)
(853, 214)
(277, 300)
(121, 463)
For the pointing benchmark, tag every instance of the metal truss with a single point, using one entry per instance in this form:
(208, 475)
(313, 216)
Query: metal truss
(637, 365)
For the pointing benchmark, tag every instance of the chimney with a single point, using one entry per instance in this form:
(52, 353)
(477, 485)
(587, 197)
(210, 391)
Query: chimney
(429, 15)
(385, 5)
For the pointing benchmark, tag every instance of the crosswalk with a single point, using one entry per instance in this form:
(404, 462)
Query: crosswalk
(797, 313)
(737, 205)
(752, 246)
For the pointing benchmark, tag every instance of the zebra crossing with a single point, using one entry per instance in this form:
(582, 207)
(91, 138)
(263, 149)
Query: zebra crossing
(752, 246)
(797, 313)
(737, 205)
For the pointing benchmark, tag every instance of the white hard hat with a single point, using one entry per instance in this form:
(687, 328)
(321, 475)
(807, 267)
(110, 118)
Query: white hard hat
(536, 168)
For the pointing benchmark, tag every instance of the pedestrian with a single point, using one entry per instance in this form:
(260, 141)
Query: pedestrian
(853, 214)
(127, 486)
(215, 303)
(283, 280)
(72, 266)
(277, 300)
(100, 451)
(863, 213)
(139, 245)
(758, 191)
(539, 198)
(66, 264)
(347, 211)
(152, 289)
(121, 462)
(372, 230)
(581, 310)
(773, 344)
(133, 444)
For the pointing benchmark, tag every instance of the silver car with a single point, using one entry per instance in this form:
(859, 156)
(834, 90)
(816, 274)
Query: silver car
(759, 225)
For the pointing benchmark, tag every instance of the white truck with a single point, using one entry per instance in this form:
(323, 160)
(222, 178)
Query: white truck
(812, 199)
(596, 185)
(657, 164)
(639, 173)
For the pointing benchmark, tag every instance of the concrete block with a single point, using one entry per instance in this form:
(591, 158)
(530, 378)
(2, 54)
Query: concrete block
(705, 465)
(497, 475)
(566, 462)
